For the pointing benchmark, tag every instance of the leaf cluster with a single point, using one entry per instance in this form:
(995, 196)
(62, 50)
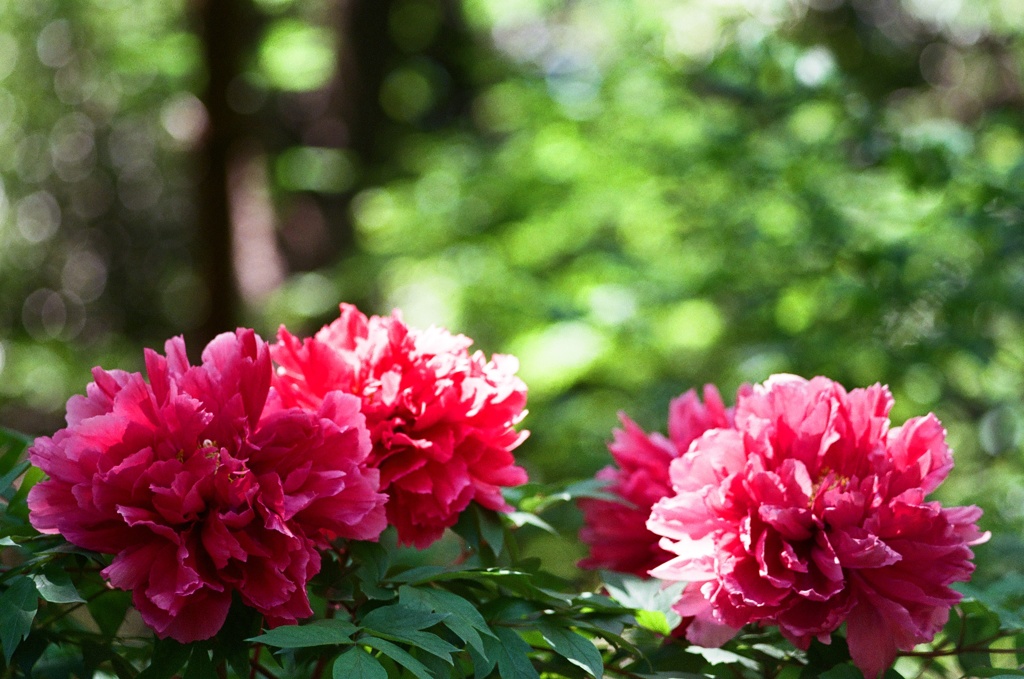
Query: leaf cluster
(490, 613)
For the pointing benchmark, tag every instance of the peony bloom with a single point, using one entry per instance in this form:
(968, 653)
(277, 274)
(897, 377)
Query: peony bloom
(441, 419)
(811, 513)
(198, 493)
(616, 532)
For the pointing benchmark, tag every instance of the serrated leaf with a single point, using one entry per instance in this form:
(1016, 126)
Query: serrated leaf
(355, 663)
(465, 620)
(574, 647)
(18, 606)
(511, 654)
(55, 586)
(320, 633)
(397, 654)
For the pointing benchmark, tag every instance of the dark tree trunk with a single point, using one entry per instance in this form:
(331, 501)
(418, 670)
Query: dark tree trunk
(228, 30)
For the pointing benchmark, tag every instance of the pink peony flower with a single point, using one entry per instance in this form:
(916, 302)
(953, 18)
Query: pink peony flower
(441, 419)
(198, 493)
(811, 513)
(616, 532)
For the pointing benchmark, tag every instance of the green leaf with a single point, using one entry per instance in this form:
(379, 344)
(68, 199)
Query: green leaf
(373, 562)
(168, 657)
(720, 656)
(12, 446)
(54, 585)
(654, 621)
(96, 653)
(199, 665)
(229, 644)
(995, 672)
(402, 623)
(1004, 597)
(842, 672)
(108, 610)
(511, 654)
(491, 529)
(979, 625)
(400, 617)
(320, 633)
(483, 531)
(643, 594)
(520, 519)
(482, 664)
(7, 479)
(611, 631)
(18, 506)
(574, 647)
(823, 656)
(546, 497)
(651, 600)
(465, 620)
(398, 655)
(468, 528)
(421, 574)
(18, 606)
(355, 663)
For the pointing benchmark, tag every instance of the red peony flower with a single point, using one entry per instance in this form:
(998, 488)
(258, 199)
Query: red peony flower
(811, 513)
(617, 532)
(198, 493)
(441, 419)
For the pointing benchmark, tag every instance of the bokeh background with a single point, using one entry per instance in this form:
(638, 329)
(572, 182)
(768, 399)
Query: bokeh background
(634, 197)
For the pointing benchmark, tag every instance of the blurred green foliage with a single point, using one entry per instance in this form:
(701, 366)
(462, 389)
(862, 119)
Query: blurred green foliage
(634, 198)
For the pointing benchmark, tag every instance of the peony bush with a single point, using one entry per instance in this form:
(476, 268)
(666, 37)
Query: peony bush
(291, 510)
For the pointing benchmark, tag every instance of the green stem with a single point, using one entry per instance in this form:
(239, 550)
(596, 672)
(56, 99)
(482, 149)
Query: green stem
(255, 665)
(958, 650)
